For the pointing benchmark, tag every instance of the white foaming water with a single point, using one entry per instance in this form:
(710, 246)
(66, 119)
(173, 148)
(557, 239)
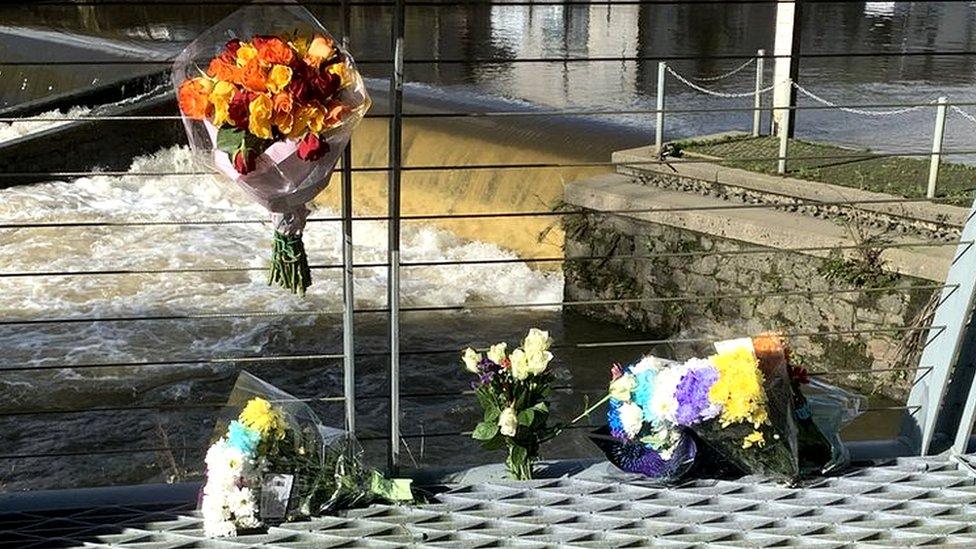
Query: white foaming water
(195, 198)
(13, 130)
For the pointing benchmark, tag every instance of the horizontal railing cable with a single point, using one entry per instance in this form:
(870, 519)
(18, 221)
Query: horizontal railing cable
(795, 202)
(518, 113)
(439, 351)
(551, 59)
(865, 156)
(465, 307)
(496, 261)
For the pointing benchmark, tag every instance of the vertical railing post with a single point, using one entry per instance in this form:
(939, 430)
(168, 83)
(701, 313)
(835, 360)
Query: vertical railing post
(757, 101)
(938, 364)
(393, 215)
(784, 139)
(937, 136)
(348, 293)
(662, 68)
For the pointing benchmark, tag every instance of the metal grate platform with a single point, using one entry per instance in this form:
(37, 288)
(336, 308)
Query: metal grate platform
(911, 502)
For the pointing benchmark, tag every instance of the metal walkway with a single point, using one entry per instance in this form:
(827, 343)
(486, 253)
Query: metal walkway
(911, 502)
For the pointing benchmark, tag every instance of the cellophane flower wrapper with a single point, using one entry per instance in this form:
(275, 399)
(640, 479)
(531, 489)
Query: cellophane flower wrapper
(279, 180)
(297, 467)
(832, 408)
(777, 455)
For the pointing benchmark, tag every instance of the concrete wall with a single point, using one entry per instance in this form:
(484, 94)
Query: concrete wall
(678, 264)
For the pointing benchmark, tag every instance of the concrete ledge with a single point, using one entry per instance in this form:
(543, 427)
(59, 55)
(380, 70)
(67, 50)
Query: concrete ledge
(629, 163)
(765, 227)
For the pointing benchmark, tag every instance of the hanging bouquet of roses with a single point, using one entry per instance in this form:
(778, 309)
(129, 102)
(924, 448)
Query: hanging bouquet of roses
(272, 109)
(513, 390)
(639, 437)
(276, 462)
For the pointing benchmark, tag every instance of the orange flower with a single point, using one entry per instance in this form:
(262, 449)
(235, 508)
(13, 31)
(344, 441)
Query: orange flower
(283, 102)
(223, 69)
(254, 76)
(282, 106)
(272, 50)
(319, 50)
(193, 97)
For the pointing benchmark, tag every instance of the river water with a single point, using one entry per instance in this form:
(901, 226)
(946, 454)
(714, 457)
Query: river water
(171, 405)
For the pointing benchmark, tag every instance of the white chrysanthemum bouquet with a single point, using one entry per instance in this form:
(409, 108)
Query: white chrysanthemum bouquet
(276, 462)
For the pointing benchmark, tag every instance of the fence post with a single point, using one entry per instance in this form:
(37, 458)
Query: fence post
(348, 293)
(784, 137)
(393, 213)
(937, 135)
(757, 103)
(662, 68)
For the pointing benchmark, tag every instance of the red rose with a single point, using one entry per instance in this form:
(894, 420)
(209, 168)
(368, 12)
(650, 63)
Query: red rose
(325, 84)
(311, 148)
(237, 111)
(244, 161)
(229, 54)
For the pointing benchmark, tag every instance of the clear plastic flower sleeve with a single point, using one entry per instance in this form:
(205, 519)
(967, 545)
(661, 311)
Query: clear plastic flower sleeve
(272, 118)
(302, 467)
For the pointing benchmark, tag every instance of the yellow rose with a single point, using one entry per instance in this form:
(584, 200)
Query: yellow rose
(508, 422)
(496, 353)
(284, 121)
(519, 363)
(343, 71)
(300, 43)
(307, 118)
(221, 95)
(278, 78)
(259, 121)
(245, 53)
(471, 359)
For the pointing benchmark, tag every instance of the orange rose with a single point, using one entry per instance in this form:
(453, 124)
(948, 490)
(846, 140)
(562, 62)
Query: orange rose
(193, 97)
(222, 69)
(272, 50)
(283, 103)
(254, 77)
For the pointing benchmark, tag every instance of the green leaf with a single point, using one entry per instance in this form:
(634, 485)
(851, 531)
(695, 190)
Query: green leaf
(496, 443)
(230, 139)
(541, 407)
(485, 431)
(525, 417)
(519, 453)
(492, 413)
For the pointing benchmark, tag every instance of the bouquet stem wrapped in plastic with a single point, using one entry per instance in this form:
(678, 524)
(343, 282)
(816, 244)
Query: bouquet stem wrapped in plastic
(270, 99)
(273, 461)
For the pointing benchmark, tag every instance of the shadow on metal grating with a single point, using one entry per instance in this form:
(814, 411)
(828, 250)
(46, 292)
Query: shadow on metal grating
(908, 502)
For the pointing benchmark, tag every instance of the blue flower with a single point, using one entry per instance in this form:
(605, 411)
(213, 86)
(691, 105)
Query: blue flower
(613, 419)
(243, 438)
(644, 392)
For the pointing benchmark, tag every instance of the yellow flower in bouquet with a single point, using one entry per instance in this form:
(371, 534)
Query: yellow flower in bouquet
(739, 388)
(261, 416)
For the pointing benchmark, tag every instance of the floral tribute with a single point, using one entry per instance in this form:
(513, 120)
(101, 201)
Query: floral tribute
(273, 111)
(277, 462)
(513, 390)
(728, 400)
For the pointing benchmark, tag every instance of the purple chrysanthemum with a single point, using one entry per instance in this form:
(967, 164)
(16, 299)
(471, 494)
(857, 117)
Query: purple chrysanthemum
(692, 393)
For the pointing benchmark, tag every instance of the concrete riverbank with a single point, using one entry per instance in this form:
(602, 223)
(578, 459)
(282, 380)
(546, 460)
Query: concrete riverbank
(708, 251)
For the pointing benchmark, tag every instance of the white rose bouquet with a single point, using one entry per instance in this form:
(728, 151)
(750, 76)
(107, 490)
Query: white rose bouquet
(513, 390)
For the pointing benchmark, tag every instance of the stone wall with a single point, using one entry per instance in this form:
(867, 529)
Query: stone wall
(848, 323)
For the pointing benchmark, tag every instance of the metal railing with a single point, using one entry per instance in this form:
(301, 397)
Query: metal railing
(945, 334)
